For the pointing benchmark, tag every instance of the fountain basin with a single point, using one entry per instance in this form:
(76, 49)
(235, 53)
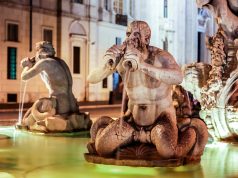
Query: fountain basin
(32, 156)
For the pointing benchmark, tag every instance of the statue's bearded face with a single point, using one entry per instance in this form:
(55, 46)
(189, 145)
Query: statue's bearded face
(138, 35)
(134, 38)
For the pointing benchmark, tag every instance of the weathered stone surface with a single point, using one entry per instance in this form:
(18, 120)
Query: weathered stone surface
(218, 94)
(148, 74)
(52, 114)
(55, 124)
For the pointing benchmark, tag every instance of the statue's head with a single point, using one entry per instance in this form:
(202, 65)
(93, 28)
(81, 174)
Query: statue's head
(44, 49)
(138, 34)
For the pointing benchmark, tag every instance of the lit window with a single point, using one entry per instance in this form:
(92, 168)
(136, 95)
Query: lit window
(12, 32)
(104, 83)
(78, 1)
(11, 63)
(48, 35)
(76, 60)
(118, 6)
(165, 8)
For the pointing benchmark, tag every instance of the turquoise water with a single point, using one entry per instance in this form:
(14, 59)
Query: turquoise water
(25, 155)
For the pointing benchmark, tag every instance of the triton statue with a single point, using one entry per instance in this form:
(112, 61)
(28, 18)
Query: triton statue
(60, 111)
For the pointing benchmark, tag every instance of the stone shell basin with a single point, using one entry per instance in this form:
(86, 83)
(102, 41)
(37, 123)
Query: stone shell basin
(222, 120)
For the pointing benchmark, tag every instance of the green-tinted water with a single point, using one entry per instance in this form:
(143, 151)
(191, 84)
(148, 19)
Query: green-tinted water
(24, 155)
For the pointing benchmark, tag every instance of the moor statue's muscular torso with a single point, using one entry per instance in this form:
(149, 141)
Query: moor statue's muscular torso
(147, 95)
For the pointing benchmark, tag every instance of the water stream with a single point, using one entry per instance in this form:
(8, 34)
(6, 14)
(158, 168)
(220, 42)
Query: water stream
(124, 103)
(23, 85)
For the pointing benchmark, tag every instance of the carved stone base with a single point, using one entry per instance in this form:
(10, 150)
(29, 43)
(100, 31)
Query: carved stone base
(76, 133)
(140, 155)
(133, 162)
(56, 123)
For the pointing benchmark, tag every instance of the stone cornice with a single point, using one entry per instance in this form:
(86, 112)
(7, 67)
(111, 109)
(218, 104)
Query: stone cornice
(40, 10)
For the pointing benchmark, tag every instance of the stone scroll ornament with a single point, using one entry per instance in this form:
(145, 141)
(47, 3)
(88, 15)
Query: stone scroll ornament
(147, 133)
(59, 112)
(215, 84)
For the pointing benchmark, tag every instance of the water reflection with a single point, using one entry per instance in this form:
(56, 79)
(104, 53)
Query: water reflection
(220, 160)
(26, 155)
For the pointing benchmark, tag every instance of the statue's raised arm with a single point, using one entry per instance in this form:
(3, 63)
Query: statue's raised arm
(111, 60)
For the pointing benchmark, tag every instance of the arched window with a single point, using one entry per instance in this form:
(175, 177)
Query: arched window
(77, 29)
(132, 8)
(118, 6)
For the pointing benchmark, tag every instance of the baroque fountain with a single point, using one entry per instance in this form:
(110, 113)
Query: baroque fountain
(147, 133)
(215, 85)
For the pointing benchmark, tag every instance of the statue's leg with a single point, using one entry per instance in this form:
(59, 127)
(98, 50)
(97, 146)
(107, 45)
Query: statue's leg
(201, 137)
(100, 124)
(63, 105)
(168, 141)
(109, 138)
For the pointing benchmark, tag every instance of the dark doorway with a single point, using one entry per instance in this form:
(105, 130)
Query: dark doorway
(199, 47)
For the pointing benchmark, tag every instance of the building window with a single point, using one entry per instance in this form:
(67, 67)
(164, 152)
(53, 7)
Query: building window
(76, 60)
(132, 8)
(166, 44)
(118, 6)
(165, 8)
(118, 40)
(11, 63)
(106, 5)
(104, 83)
(48, 35)
(78, 1)
(12, 97)
(12, 32)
